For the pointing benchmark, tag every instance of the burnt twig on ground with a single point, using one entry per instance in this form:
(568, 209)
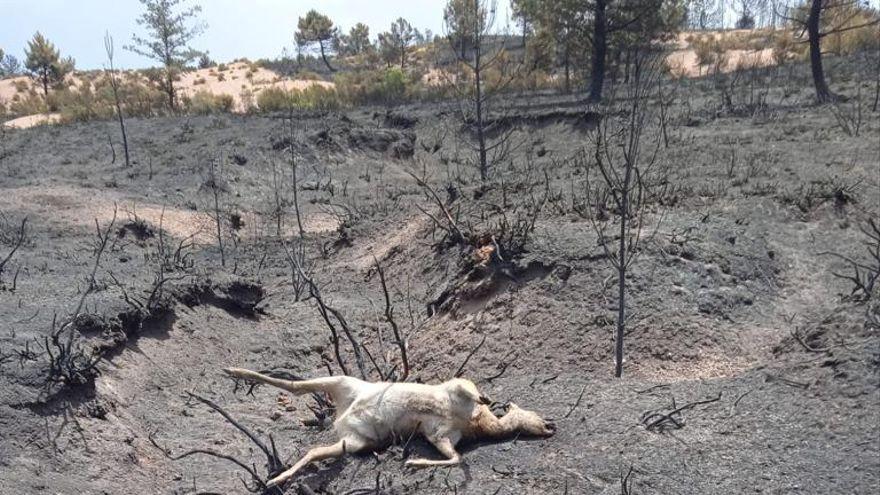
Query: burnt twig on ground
(502, 367)
(658, 420)
(576, 402)
(467, 358)
(736, 402)
(786, 381)
(800, 340)
(626, 482)
(651, 389)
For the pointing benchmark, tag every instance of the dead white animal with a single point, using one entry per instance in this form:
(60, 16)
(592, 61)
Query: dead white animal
(370, 415)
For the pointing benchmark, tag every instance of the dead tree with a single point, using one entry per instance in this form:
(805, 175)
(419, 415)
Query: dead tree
(865, 274)
(114, 85)
(216, 188)
(624, 182)
(277, 199)
(399, 338)
(69, 363)
(3, 140)
(18, 240)
(469, 30)
(300, 269)
(333, 318)
(274, 464)
(449, 224)
(291, 135)
(152, 301)
(112, 149)
(338, 325)
(170, 258)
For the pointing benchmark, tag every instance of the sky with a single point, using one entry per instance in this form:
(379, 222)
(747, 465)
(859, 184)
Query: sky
(236, 28)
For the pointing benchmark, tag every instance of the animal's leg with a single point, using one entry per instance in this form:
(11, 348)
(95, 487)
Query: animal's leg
(446, 447)
(330, 384)
(317, 454)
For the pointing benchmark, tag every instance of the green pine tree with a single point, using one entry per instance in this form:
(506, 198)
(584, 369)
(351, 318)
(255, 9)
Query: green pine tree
(44, 62)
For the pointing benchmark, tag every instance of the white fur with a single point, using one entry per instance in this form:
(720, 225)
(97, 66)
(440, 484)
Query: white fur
(370, 415)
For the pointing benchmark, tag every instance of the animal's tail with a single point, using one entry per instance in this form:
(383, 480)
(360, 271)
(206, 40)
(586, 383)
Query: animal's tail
(329, 384)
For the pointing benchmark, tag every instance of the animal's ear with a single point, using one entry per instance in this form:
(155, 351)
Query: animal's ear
(467, 389)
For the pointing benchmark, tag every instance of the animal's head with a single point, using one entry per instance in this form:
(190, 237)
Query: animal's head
(459, 387)
(528, 422)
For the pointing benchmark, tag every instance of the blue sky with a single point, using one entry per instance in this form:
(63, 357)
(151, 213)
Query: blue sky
(236, 28)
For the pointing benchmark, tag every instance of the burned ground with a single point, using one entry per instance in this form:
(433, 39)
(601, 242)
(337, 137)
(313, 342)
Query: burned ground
(734, 297)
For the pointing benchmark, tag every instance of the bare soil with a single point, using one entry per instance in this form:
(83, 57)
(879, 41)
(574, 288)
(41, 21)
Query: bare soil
(735, 267)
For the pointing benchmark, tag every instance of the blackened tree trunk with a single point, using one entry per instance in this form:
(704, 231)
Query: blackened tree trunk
(169, 82)
(823, 95)
(621, 281)
(122, 126)
(168, 60)
(324, 57)
(600, 48)
(44, 80)
(114, 85)
(293, 166)
(478, 107)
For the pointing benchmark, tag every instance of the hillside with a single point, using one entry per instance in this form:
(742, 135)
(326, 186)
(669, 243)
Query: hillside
(691, 54)
(762, 362)
(242, 81)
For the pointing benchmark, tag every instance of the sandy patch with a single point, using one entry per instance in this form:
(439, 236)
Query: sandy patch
(707, 367)
(80, 207)
(684, 63)
(32, 120)
(320, 223)
(8, 88)
(74, 206)
(238, 80)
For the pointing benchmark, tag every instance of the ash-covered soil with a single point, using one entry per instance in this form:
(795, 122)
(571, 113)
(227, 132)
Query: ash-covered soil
(736, 316)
